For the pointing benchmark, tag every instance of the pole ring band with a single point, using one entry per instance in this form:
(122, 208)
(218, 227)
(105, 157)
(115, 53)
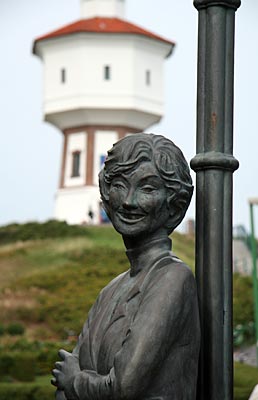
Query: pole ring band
(214, 160)
(199, 4)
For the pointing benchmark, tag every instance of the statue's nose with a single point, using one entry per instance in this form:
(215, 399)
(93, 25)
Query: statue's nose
(130, 201)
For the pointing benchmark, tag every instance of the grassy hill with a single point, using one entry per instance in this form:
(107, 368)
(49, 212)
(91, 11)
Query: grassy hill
(50, 276)
(48, 284)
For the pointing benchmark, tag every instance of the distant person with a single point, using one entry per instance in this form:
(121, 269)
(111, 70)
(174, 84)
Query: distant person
(91, 215)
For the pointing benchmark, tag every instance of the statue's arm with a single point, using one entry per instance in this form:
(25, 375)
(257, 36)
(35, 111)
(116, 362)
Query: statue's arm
(162, 312)
(92, 313)
(68, 367)
(86, 325)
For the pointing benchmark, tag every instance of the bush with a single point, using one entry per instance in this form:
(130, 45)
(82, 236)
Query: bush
(18, 391)
(23, 360)
(6, 363)
(15, 328)
(35, 346)
(242, 299)
(34, 230)
(46, 360)
(245, 379)
(19, 366)
(2, 330)
(15, 392)
(23, 368)
(43, 393)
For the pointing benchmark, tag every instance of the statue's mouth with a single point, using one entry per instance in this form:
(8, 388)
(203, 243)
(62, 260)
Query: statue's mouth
(131, 217)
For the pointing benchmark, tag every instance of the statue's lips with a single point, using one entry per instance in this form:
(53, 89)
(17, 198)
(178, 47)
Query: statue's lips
(130, 217)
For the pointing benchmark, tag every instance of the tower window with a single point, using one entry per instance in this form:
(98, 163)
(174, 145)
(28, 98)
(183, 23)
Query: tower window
(76, 157)
(107, 72)
(148, 77)
(63, 75)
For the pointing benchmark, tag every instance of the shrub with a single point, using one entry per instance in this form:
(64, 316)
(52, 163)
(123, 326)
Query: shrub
(243, 299)
(15, 392)
(23, 360)
(20, 366)
(6, 363)
(15, 328)
(24, 367)
(245, 379)
(34, 230)
(2, 330)
(18, 391)
(46, 360)
(43, 393)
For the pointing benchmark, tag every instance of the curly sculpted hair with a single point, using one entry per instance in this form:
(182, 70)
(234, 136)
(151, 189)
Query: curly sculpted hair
(126, 155)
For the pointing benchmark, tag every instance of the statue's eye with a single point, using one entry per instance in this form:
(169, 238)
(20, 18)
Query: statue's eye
(118, 185)
(148, 189)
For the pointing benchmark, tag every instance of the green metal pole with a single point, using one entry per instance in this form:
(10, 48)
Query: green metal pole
(214, 165)
(255, 285)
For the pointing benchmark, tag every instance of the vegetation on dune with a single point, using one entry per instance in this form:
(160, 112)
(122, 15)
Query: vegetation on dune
(40, 389)
(245, 379)
(60, 296)
(243, 299)
(34, 230)
(51, 274)
(49, 284)
(24, 360)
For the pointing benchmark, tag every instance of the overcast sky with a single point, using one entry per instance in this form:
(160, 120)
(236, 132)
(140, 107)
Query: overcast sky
(30, 149)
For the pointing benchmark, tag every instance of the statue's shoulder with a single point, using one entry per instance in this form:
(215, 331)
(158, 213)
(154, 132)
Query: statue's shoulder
(174, 270)
(114, 283)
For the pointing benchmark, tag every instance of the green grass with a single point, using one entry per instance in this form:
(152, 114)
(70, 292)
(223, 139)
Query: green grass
(243, 299)
(40, 389)
(50, 279)
(245, 379)
(49, 284)
(60, 295)
(35, 230)
(183, 247)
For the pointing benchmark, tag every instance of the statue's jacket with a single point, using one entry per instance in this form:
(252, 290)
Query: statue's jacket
(141, 338)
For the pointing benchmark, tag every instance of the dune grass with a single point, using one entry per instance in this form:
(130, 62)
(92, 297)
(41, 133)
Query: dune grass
(50, 279)
(49, 284)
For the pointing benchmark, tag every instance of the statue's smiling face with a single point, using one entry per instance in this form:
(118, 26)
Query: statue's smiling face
(138, 201)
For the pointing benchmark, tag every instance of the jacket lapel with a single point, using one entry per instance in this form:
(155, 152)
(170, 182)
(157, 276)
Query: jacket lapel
(123, 308)
(119, 312)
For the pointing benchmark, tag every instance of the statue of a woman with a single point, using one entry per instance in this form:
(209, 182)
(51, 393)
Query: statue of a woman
(141, 338)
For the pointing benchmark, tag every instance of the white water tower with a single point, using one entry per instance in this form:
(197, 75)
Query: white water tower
(103, 79)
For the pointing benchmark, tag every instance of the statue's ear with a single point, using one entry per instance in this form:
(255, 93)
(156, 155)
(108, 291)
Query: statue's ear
(105, 206)
(175, 211)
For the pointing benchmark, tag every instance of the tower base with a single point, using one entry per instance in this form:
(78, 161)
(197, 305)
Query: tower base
(79, 206)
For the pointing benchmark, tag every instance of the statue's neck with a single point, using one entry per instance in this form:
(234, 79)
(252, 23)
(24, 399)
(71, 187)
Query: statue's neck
(146, 255)
(136, 242)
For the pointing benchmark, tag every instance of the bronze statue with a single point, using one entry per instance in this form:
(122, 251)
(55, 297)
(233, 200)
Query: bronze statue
(141, 338)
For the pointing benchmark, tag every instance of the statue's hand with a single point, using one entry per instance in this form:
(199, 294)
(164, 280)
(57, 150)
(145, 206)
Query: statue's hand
(65, 371)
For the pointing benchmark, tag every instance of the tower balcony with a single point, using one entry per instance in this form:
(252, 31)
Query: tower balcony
(138, 117)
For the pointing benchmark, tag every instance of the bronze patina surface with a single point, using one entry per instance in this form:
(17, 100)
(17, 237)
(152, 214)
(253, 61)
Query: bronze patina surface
(141, 338)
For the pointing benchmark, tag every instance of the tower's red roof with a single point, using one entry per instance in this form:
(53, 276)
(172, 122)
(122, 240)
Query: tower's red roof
(101, 25)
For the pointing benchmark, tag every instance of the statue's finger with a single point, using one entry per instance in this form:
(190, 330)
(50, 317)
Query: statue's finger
(54, 382)
(63, 354)
(56, 372)
(58, 365)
